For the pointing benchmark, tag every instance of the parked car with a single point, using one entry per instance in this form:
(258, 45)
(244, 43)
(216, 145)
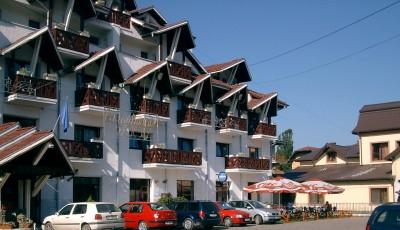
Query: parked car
(196, 214)
(385, 217)
(85, 216)
(259, 212)
(230, 216)
(144, 215)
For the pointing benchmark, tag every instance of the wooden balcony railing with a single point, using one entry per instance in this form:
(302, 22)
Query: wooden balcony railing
(31, 86)
(246, 163)
(71, 41)
(179, 70)
(83, 149)
(194, 115)
(154, 107)
(168, 156)
(231, 122)
(265, 129)
(113, 16)
(96, 97)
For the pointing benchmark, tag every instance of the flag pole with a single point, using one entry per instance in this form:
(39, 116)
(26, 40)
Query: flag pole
(55, 124)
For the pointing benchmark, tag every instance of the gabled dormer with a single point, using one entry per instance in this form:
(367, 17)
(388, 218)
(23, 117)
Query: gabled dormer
(231, 72)
(332, 153)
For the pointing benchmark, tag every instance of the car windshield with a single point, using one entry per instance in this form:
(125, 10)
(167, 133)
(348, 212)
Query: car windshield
(257, 204)
(104, 208)
(155, 206)
(225, 205)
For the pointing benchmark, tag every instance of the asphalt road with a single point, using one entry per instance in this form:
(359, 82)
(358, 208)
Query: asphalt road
(355, 223)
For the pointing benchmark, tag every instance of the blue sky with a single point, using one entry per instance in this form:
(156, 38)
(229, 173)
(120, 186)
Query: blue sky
(324, 103)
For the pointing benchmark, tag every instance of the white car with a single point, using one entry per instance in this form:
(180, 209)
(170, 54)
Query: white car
(85, 216)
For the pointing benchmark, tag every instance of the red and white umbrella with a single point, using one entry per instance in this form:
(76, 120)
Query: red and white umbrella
(275, 185)
(320, 187)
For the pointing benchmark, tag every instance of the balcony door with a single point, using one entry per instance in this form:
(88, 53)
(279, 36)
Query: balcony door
(185, 144)
(86, 133)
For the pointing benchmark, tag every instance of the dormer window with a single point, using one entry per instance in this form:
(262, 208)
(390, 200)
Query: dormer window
(331, 157)
(379, 151)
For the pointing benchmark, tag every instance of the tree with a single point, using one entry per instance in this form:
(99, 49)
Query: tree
(285, 150)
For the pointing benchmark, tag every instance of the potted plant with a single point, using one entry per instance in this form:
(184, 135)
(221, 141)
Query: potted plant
(23, 71)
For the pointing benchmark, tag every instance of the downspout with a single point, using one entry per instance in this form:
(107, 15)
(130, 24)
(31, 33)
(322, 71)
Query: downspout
(118, 161)
(206, 157)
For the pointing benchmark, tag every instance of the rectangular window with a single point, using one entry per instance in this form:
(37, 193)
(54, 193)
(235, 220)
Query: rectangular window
(139, 190)
(222, 149)
(398, 144)
(254, 152)
(34, 24)
(222, 189)
(82, 80)
(379, 195)
(254, 195)
(185, 188)
(379, 151)
(144, 55)
(139, 140)
(86, 133)
(331, 157)
(185, 144)
(316, 198)
(24, 122)
(86, 189)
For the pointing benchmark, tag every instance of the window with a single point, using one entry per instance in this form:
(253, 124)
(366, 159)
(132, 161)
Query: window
(185, 144)
(331, 156)
(124, 208)
(253, 152)
(237, 204)
(106, 208)
(94, 40)
(222, 149)
(379, 195)
(398, 144)
(388, 218)
(136, 208)
(82, 80)
(254, 195)
(185, 189)
(139, 190)
(85, 133)
(222, 191)
(34, 24)
(379, 151)
(144, 55)
(139, 141)
(316, 199)
(86, 189)
(194, 206)
(24, 122)
(79, 209)
(66, 210)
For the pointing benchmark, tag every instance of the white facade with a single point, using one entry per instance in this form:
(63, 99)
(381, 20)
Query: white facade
(119, 164)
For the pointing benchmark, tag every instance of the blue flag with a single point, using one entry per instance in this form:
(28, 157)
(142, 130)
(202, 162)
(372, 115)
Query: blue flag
(64, 116)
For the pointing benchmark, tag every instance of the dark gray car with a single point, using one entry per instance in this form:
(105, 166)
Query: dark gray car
(385, 217)
(259, 212)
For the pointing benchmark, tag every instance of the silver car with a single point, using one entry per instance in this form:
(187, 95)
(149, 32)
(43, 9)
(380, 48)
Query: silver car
(259, 212)
(85, 216)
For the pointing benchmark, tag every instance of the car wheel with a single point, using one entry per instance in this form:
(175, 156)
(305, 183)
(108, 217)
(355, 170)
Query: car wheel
(258, 219)
(48, 226)
(228, 222)
(85, 227)
(142, 225)
(188, 224)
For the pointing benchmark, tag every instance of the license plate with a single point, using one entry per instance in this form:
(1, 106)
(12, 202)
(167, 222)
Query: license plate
(169, 222)
(113, 217)
(247, 219)
(213, 215)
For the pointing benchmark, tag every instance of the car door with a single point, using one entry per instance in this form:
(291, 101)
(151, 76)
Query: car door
(62, 220)
(250, 209)
(78, 216)
(181, 211)
(132, 217)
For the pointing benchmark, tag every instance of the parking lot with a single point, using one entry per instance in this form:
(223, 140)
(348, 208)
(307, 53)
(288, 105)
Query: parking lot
(355, 223)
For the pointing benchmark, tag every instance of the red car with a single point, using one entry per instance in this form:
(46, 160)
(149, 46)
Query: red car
(144, 215)
(230, 216)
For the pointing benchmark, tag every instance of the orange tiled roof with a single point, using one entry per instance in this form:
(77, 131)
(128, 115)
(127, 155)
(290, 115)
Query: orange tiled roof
(144, 71)
(221, 66)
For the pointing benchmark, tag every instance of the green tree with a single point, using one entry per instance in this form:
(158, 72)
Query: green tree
(285, 149)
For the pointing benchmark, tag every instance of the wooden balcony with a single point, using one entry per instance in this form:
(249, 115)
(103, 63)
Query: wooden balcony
(263, 131)
(71, 41)
(246, 164)
(180, 71)
(167, 158)
(193, 118)
(77, 149)
(96, 100)
(152, 109)
(30, 90)
(113, 16)
(231, 125)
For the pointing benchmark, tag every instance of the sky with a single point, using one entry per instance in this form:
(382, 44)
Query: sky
(324, 103)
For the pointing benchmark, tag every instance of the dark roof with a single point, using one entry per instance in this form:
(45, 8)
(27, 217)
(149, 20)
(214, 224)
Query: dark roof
(342, 172)
(393, 154)
(312, 153)
(186, 39)
(302, 151)
(258, 99)
(306, 149)
(144, 71)
(309, 156)
(242, 72)
(378, 117)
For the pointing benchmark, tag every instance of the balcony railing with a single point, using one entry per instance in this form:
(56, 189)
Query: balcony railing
(194, 115)
(179, 70)
(83, 149)
(246, 163)
(175, 157)
(31, 86)
(113, 16)
(154, 107)
(265, 129)
(96, 97)
(231, 122)
(71, 41)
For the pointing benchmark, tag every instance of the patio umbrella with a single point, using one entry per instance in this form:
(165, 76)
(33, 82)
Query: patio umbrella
(275, 185)
(317, 186)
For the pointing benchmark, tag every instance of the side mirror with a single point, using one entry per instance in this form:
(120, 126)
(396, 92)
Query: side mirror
(57, 214)
(249, 207)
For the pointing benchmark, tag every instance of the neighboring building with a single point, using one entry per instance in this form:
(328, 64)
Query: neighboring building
(145, 117)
